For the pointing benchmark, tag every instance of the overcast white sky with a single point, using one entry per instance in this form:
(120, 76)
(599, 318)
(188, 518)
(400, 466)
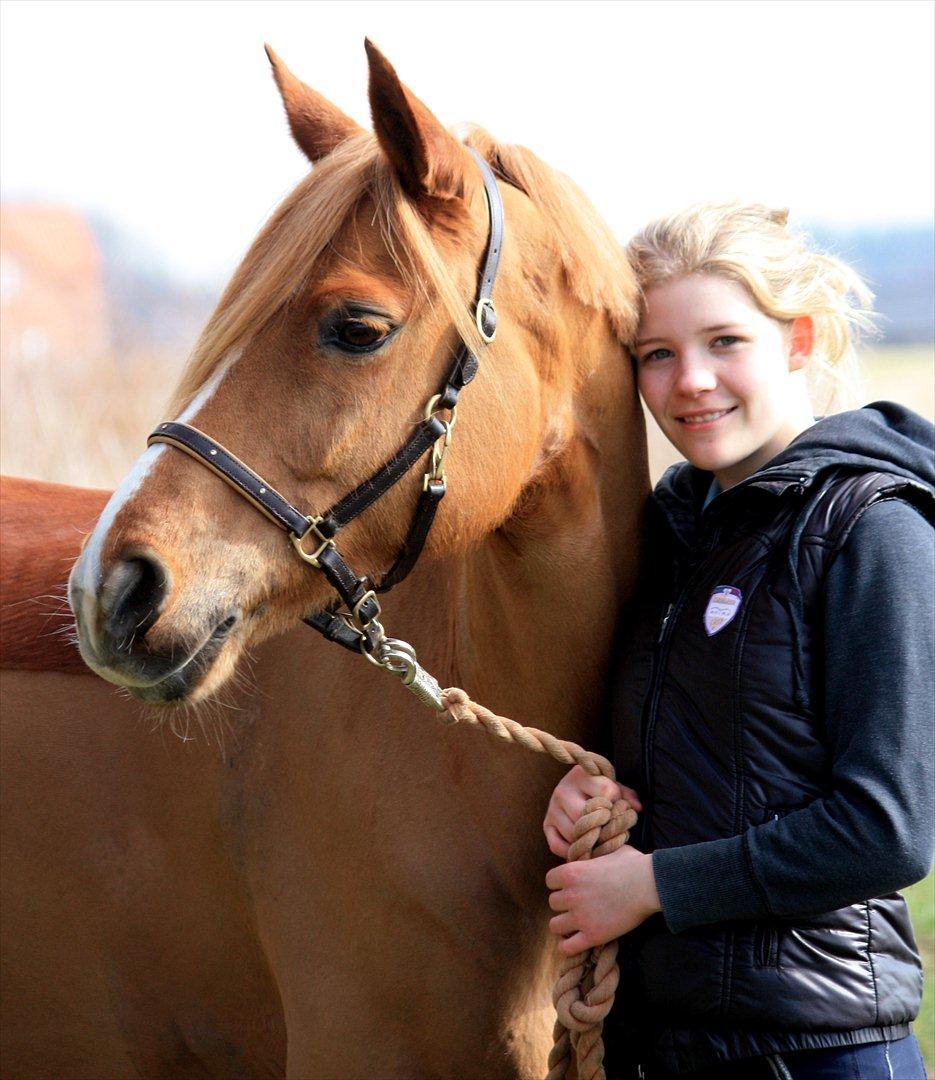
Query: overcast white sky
(163, 114)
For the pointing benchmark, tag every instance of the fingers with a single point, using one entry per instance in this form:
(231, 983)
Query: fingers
(558, 901)
(568, 801)
(563, 822)
(590, 786)
(573, 940)
(562, 924)
(577, 786)
(559, 876)
(557, 845)
(631, 797)
(559, 829)
(603, 785)
(573, 945)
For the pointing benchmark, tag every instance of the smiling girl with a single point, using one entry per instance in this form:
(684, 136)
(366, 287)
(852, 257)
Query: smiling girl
(774, 702)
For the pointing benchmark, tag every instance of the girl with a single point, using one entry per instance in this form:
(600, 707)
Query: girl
(774, 702)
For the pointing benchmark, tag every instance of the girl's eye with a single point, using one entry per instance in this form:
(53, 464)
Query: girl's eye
(656, 354)
(726, 340)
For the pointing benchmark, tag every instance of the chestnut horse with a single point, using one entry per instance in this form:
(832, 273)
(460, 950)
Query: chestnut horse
(346, 888)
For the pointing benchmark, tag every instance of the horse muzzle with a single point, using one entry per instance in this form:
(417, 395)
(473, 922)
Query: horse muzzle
(118, 636)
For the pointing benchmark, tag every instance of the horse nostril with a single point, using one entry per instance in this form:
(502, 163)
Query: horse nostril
(132, 598)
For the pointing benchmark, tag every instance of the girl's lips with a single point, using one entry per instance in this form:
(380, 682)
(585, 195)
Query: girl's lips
(705, 420)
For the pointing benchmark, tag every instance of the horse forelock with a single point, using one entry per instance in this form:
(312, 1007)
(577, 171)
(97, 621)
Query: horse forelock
(283, 256)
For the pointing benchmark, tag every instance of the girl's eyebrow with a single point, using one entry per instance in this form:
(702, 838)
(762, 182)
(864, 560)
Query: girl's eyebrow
(703, 330)
(722, 326)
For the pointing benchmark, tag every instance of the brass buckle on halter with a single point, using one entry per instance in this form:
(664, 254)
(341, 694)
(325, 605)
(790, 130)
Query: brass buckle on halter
(354, 614)
(326, 541)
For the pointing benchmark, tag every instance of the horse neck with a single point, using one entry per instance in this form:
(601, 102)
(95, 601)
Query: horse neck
(525, 624)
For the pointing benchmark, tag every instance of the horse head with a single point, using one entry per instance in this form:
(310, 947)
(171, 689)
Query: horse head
(325, 347)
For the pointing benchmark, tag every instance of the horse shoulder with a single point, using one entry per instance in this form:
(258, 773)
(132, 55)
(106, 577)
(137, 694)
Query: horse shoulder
(42, 526)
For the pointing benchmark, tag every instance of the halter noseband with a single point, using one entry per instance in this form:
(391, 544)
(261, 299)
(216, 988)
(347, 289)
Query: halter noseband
(356, 626)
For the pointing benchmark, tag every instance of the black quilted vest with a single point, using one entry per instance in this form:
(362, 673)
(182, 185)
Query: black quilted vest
(728, 739)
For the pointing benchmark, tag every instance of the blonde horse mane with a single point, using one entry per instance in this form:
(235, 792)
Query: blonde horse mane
(593, 261)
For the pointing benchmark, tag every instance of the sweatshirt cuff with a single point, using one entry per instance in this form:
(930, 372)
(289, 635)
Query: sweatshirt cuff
(706, 883)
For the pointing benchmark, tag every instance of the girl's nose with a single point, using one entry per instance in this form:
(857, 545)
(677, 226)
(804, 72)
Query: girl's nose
(695, 376)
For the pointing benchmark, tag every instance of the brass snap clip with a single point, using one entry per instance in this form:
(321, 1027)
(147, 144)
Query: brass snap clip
(440, 448)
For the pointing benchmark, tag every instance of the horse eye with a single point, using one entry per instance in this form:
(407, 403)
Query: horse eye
(357, 334)
(356, 331)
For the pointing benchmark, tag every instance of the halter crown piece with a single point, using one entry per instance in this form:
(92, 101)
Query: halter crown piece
(353, 621)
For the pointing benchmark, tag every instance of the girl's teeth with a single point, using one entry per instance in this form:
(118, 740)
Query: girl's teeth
(705, 417)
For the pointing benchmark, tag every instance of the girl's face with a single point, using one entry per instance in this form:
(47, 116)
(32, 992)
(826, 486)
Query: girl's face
(723, 381)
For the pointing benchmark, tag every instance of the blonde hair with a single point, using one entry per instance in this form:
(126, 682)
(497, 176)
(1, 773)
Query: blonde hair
(753, 246)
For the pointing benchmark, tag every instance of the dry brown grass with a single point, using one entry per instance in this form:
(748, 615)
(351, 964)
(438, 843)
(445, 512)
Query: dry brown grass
(82, 425)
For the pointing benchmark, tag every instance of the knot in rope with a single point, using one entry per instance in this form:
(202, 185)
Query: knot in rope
(584, 992)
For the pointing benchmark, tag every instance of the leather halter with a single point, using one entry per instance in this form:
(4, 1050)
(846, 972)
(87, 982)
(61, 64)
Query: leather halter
(356, 626)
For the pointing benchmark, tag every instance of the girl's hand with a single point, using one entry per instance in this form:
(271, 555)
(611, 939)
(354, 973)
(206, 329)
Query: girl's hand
(567, 803)
(600, 899)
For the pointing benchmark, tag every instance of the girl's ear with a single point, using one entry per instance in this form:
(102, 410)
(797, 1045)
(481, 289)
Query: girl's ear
(801, 342)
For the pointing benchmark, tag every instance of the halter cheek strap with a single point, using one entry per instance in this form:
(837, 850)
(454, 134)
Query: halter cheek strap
(356, 626)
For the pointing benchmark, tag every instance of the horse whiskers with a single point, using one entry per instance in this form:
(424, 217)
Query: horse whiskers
(186, 719)
(38, 600)
(244, 680)
(244, 676)
(67, 631)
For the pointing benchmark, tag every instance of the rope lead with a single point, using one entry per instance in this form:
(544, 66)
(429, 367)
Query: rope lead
(584, 992)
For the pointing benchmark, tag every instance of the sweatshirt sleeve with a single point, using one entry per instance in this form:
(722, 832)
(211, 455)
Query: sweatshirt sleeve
(873, 833)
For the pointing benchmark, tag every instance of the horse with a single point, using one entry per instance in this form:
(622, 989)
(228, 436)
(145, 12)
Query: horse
(337, 885)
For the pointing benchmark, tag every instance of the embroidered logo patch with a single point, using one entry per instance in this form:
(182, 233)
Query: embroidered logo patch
(723, 605)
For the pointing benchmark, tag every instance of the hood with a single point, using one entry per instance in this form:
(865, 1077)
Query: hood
(881, 437)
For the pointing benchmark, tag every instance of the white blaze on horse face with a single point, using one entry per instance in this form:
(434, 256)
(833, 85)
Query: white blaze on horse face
(86, 574)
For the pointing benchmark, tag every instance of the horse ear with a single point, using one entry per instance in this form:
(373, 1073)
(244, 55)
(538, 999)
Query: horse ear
(317, 125)
(427, 159)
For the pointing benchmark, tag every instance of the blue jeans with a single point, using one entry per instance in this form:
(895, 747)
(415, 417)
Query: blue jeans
(900, 1060)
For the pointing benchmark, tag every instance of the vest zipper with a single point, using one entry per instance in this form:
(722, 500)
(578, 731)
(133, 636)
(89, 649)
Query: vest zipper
(765, 946)
(660, 655)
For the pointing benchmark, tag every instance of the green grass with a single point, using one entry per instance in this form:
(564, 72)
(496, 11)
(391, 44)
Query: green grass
(921, 900)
